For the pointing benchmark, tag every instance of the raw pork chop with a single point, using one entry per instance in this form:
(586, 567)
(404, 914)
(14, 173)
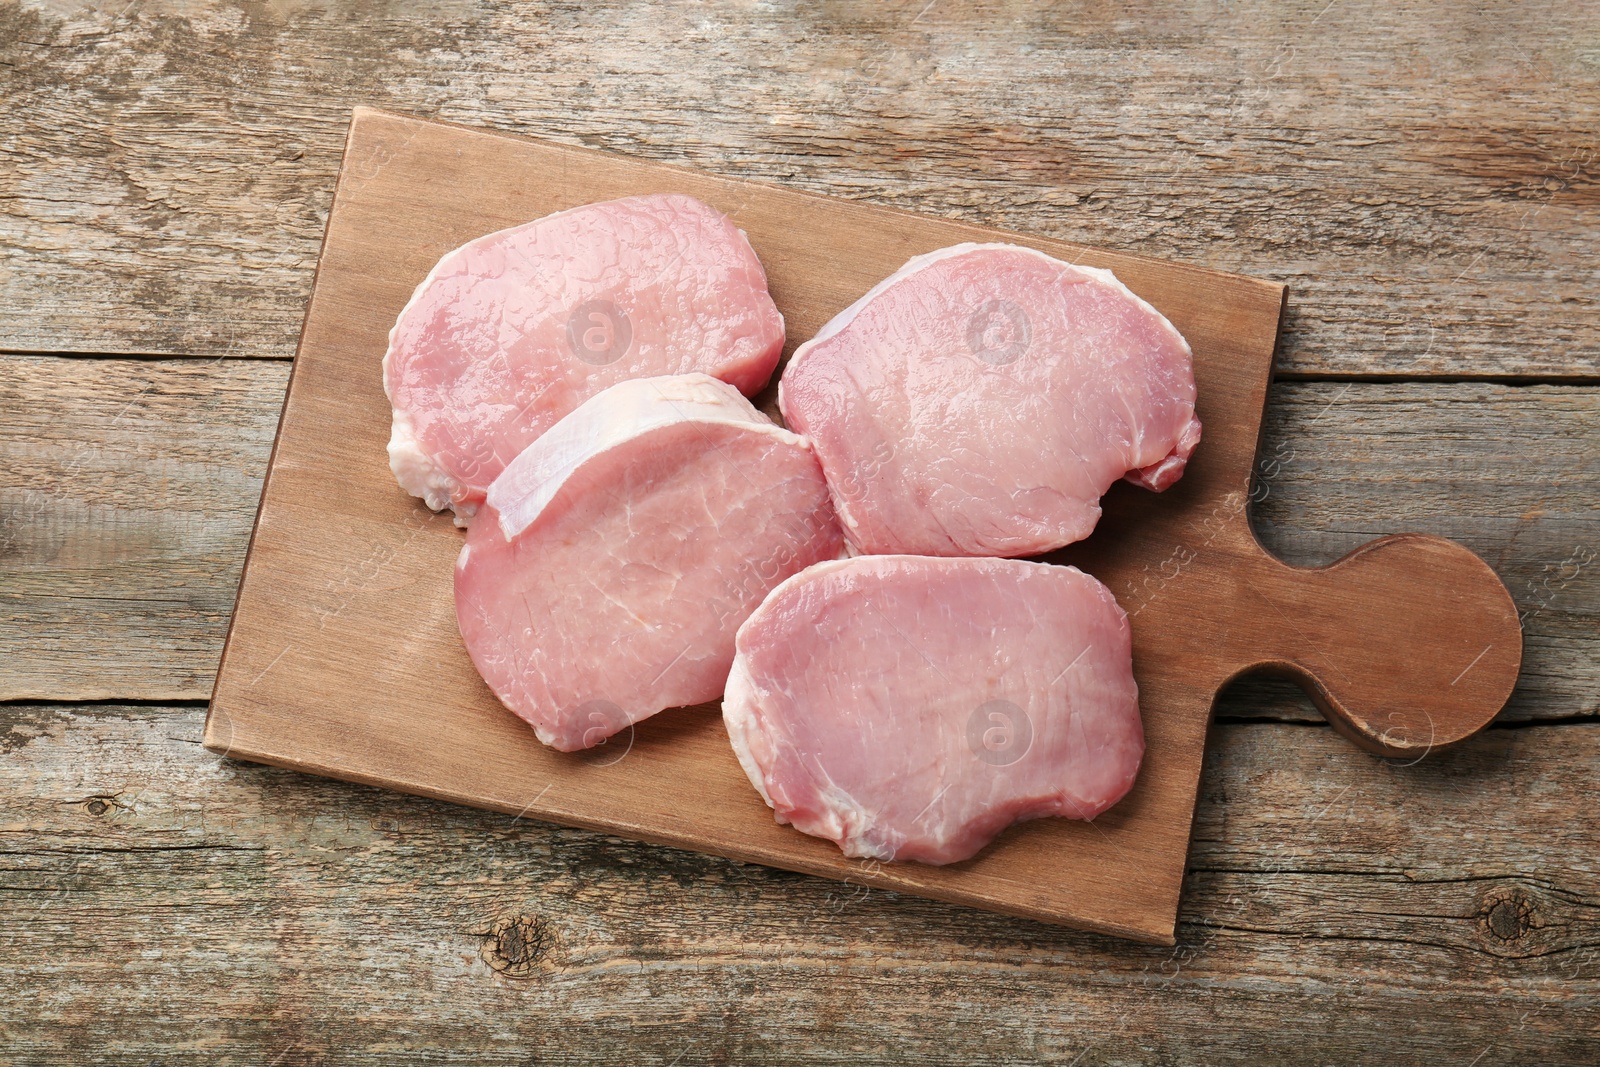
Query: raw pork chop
(979, 401)
(512, 331)
(911, 708)
(616, 556)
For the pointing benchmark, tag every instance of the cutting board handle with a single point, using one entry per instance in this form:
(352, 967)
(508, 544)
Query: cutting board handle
(1407, 644)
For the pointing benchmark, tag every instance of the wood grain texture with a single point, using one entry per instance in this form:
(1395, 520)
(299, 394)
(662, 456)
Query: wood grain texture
(133, 484)
(129, 491)
(1423, 175)
(166, 905)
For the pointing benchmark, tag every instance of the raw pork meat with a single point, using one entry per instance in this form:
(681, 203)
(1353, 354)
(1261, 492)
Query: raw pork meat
(615, 558)
(979, 401)
(512, 331)
(911, 708)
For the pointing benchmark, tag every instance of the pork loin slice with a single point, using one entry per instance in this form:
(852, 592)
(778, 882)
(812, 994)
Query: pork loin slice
(615, 558)
(979, 401)
(911, 708)
(514, 330)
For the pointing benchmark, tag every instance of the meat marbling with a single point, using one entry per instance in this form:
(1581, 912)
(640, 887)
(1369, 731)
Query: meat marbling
(980, 401)
(911, 708)
(512, 331)
(615, 558)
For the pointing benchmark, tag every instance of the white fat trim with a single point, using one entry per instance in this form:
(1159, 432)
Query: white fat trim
(612, 417)
(739, 714)
(416, 472)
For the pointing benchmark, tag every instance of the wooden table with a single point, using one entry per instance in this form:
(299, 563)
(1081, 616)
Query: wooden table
(1421, 175)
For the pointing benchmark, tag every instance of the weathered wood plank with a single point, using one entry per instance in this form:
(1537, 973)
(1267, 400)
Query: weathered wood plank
(166, 905)
(131, 487)
(1421, 175)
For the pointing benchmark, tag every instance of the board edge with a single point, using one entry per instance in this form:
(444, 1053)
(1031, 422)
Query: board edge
(366, 111)
(208, 740)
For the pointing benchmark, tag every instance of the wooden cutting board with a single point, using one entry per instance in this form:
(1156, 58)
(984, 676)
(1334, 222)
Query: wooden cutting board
(343, 657)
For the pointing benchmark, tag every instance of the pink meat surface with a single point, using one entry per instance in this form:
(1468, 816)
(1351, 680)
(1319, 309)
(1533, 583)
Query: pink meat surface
(911, 707)
(616, 557)
(512, 331)
(979, 401)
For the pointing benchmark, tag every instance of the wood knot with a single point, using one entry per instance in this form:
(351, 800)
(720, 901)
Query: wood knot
(516, 945)
(101, 806)
(1508, 915)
